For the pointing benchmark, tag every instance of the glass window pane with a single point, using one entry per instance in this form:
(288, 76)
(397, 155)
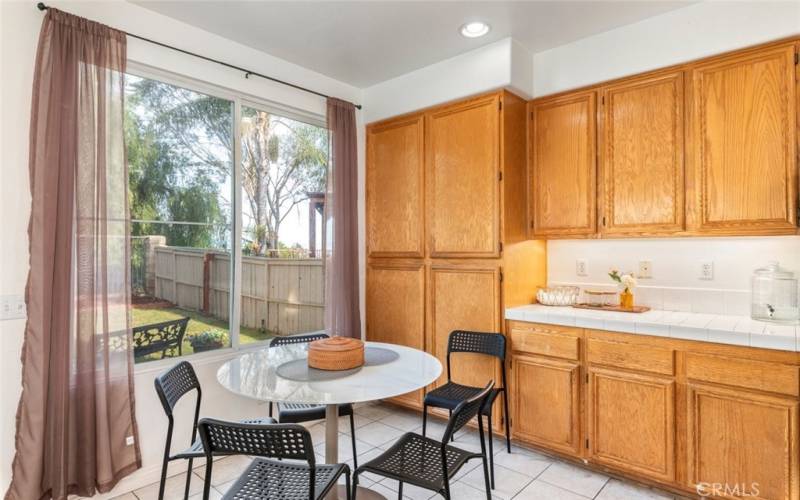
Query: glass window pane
(180, 170)
(284, 170)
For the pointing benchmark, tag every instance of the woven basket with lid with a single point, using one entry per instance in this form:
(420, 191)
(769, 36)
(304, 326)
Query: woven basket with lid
(336, 353)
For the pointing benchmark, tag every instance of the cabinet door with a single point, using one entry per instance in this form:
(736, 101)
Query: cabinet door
(744, 171)
(396, 310)
(632, 422)
(464, 298)
(395, 188)
(546, 401)
(642, 184)
(563, 165)
(462, 164)
(742, 439)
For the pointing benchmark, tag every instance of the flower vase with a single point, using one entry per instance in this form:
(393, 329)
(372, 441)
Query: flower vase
(626, 299)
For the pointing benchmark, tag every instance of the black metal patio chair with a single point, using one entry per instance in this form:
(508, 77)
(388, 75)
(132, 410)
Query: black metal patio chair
(428, 463)
(267, 479)
(171, 386)
(451, 394)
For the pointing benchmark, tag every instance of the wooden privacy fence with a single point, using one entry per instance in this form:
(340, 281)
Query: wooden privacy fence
(284, 296)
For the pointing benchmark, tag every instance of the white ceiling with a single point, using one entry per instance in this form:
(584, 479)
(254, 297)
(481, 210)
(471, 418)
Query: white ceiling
(363, 43)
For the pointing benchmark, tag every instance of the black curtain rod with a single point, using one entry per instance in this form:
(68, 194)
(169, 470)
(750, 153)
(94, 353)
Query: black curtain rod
(247, 72)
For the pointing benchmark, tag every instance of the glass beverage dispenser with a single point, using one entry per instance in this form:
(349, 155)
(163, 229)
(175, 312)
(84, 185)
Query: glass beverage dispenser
(774, 294)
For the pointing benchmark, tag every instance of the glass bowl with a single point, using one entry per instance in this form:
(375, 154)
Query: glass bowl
(558, 295)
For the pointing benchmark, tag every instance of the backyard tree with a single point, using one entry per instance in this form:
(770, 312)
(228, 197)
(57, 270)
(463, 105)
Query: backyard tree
(191, 136)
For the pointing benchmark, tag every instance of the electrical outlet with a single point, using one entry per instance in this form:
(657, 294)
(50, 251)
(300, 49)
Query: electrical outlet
(706, 270)
(129, 441)
(581, 267)
(12, 307)
(645, 269)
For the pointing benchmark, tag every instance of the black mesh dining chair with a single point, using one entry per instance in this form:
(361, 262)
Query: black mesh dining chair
(428, 463)
(451, 394)
(298, 413)
(267, 479)
(171, 386)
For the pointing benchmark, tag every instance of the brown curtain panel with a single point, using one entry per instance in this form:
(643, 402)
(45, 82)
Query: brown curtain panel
(342, 314)
(76, 431)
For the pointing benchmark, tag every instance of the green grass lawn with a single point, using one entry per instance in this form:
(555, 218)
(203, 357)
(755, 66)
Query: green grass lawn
(197, 323)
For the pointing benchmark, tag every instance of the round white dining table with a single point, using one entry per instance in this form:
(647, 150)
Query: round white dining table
(256, 375)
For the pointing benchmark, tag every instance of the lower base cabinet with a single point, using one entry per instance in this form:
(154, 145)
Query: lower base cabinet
(742, 443)
(706, 419)
(547, 412)
(631, 422)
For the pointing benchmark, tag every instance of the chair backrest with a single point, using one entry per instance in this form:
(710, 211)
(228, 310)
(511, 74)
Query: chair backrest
(489, 343)
(282, 441)
(466, 411)
(174, 383)
(297, 339)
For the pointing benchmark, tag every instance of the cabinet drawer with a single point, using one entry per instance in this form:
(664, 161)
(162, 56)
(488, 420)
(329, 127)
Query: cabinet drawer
(759, 375)
(547, 340)
(639, 357)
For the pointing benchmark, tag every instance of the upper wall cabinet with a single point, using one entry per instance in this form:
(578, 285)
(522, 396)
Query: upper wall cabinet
(463, 178)
(395, 188)
(641, 167)
(562, 158)
(743, 174)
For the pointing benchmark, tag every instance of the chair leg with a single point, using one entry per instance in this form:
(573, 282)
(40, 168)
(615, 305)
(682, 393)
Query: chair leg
(486, 478)
(424, 419)
(453, 435)
(188, 480)
(270, 409)
(446, 489)
(490, 437)
(400, 491)
(349, 490)
(355, 484)
(353, 438)
(508, 421)
(163, 481)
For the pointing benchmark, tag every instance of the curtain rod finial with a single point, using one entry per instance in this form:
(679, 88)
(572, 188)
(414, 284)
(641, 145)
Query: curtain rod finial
(41, 6)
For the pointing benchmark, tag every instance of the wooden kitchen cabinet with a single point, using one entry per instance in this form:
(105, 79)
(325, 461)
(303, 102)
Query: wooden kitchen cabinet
(742, 438)
(396, 310)
(546, 402)
(631, 421)
(562, 159)
(743, 171)
(463, 178)
(464, 297)
(395, 188)
(642, 167)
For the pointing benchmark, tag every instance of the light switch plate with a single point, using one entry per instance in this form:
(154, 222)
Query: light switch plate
(12, 307)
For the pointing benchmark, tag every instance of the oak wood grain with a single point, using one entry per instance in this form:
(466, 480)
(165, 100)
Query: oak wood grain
(395, 187)
(642, 167)
(562, 159)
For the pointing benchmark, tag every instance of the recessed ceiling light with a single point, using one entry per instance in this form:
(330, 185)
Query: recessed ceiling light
(474, 29)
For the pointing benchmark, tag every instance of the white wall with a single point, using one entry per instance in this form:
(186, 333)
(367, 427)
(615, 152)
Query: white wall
(678, 36)
(682, 35)
(502, 64)
(19, 29)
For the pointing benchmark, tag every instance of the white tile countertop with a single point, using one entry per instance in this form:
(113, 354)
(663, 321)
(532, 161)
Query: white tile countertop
(735, 330)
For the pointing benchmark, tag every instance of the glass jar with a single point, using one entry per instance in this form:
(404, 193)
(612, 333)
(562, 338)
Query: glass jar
(774, 294)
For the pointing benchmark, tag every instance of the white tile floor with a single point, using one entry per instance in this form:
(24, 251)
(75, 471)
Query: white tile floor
(523, 474)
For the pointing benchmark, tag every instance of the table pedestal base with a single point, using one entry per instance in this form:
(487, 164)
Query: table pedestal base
(363, 494)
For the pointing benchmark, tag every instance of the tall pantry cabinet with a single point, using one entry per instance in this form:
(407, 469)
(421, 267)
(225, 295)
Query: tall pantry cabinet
(446, 228)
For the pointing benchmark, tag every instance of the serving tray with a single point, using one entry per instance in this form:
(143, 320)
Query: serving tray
(636, 309)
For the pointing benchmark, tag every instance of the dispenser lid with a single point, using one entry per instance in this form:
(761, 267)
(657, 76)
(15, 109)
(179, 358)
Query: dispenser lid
(774, 270)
